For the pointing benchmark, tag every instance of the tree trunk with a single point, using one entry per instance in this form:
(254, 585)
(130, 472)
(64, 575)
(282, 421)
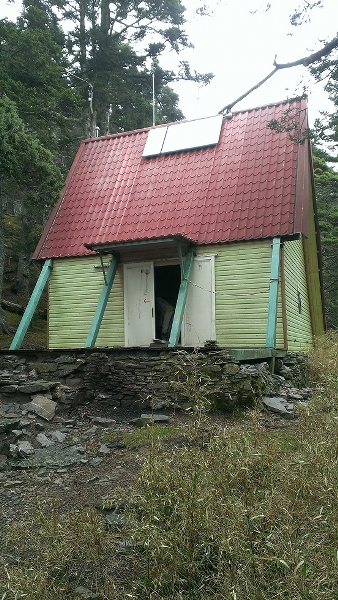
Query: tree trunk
(105, 17)
(22, 274)
(82, 37)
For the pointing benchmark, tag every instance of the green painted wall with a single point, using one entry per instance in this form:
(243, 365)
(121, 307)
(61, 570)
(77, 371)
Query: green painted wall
(242, 274)
(298, 317)
(74, 289)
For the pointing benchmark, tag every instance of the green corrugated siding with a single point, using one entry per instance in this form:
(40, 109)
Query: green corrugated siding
(242, 275)
(74, 290)
(299, 329)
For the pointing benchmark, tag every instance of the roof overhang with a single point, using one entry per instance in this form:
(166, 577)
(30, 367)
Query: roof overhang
(136, 245)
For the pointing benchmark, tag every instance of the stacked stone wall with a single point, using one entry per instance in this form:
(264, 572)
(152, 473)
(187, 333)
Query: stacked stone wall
(154, 378)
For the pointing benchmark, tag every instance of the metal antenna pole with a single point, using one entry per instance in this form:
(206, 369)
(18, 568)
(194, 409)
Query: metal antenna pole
(153, 76)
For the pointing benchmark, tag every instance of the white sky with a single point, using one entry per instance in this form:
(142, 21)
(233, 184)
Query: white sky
(239, 48)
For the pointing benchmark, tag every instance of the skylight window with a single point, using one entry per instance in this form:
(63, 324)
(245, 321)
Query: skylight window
(183, 136)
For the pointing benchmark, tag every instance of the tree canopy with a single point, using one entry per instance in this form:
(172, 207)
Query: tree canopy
(28, 174)
(71, 69)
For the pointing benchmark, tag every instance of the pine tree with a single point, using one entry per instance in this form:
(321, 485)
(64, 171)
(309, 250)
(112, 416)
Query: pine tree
(27, 172)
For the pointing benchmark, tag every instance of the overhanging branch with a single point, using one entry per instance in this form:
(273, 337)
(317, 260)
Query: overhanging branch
(308, 60)
(305, 61)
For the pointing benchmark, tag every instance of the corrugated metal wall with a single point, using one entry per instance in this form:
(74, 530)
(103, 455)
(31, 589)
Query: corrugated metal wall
(74, 289)
(299, 330)
(242, 273)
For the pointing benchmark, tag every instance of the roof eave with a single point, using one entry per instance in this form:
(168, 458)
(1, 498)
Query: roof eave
(134, 245)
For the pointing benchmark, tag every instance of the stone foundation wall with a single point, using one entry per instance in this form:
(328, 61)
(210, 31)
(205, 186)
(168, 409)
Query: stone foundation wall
(154, 378)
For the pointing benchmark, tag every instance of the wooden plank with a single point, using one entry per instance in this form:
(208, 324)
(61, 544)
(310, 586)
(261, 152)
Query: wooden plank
(32, 304)
(102, 303)
(181, 301)
(254, 353)
(273, 294)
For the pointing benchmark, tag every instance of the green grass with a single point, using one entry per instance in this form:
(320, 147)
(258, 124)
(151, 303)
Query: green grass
(36, 336)
(144, 436)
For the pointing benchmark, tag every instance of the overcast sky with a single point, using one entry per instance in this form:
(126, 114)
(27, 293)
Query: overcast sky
(239, 48)
(238, 45)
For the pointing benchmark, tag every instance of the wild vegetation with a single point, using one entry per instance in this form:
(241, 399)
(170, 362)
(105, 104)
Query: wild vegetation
(238, 512)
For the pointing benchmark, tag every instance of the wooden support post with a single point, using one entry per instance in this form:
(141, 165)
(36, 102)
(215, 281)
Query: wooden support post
(32, 304)
(273, 294)
(181, 300)
(102, 303)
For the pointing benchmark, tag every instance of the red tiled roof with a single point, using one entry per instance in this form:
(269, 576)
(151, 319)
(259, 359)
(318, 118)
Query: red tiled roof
(244, 188)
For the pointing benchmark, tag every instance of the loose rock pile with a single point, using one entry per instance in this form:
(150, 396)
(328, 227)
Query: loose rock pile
(36, 391)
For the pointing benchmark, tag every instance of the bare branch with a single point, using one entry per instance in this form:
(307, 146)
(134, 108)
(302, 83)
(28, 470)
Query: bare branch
(308, 60)
(305, 61)
(228, 107)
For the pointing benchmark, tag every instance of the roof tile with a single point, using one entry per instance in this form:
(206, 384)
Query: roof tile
(242, 188)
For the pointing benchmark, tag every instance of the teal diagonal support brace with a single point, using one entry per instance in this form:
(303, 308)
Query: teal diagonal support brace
(32, 304)
(102, 303)
(181, 300)
(273, 294)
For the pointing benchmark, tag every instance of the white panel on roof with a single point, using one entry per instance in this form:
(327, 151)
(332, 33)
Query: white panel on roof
(154, 141)
(193, 134)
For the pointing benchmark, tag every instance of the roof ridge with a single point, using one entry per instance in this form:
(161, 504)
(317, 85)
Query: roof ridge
(271, 104)
(144, 129)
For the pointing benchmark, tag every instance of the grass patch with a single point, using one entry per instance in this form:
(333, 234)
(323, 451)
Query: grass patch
(56, 554)
(145, 436)
(36, 336)
(246, 515)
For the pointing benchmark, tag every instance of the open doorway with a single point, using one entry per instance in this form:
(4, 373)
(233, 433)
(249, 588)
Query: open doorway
(167, 281)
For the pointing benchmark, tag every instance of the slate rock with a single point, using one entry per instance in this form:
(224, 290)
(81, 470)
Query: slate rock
(104, 449)
(53, 456)
(43, 440)
(37, 386)
(25, 422)
(279, 406)
(18, 432)
(21, 450)
(103, 421)
(84, 593)
(58, 436)
(155, 418)
(42, 406)
(114, 518)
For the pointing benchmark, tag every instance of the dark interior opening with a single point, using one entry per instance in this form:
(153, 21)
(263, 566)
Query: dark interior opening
(167, 285)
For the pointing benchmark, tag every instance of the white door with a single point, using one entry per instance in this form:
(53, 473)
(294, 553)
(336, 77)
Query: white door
(139, 309)
(199, 315)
